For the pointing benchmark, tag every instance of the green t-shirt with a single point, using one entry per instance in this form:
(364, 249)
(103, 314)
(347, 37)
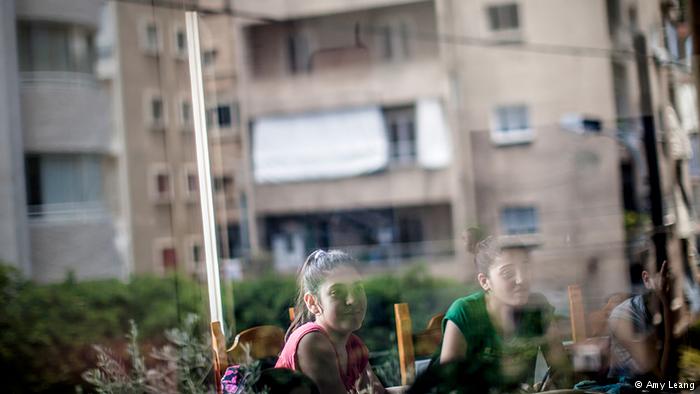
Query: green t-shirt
(492, 362)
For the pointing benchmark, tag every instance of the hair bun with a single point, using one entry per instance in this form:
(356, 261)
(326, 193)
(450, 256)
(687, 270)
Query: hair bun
(473, 239)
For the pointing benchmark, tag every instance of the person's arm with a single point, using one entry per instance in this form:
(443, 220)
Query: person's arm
(317, 359)
(561, 373)
(454, 346)
(641, 347)
(370, 380)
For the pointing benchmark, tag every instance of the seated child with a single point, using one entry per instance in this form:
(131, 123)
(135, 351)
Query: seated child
(499, 330)
(320, 342)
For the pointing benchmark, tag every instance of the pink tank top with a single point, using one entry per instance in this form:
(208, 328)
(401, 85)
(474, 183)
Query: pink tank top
(358, 355)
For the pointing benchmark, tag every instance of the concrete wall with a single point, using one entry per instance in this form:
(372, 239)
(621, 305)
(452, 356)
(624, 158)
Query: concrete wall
(285, 9)
(62, 116)
(84, 246)
(14, 236)
(573, 181)
(399, 187)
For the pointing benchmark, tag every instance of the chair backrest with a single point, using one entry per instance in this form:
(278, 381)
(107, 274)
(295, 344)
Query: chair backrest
(256, 343)
(577, 314)
(218, 344)
(411, 345)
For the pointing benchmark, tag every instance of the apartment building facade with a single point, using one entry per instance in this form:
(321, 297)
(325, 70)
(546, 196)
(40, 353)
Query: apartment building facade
(503, 77)
(154, 96)
(61, 154)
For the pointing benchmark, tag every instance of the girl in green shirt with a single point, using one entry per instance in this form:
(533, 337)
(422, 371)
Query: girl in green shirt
(495, 333)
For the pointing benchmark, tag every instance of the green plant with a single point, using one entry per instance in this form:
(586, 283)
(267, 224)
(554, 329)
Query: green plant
(183, 365)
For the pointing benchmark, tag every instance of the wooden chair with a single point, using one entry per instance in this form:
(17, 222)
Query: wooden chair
(254, 343)
(590, 345)
(577, 314)
(422, 344)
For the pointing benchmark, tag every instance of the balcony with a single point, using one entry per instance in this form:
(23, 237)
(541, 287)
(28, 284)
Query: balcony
(336, 88)
(73, 238)
(81, 12)
(284, 9)
(65, 112)
(401, 187)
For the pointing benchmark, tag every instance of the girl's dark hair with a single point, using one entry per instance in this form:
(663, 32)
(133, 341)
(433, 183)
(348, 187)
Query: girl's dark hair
(484, 248)
(311, 275)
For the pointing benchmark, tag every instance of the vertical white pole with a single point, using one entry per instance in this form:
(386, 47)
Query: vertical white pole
(203, 169)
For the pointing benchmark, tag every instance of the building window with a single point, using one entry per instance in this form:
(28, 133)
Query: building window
(186, 113)
(180, 40)
(511, 125)
(298, 53)
(394, 41)
(63, 183)
(169, 258)
(209, 58)
(519, 220)
(150, 38)
(49, 46)
(196, 251)
(165, 255)
(161, 189)
(400, 126)
(222, 116)
(503, 17)
(223, 184)
(155, 110)
(191, 181)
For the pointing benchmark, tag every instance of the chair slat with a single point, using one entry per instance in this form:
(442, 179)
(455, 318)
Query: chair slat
(404, 336)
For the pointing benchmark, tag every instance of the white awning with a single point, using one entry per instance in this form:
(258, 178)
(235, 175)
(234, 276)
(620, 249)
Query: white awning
(324, 145)
(686, 99)
(433, 136)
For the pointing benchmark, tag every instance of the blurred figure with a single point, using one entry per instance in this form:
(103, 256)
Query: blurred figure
(496, 333)
(641, 330)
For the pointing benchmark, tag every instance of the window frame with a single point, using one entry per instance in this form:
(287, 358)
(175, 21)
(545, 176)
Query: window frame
(187, 170)
(158, 245)
(532, 209)
(144, 42)
(186, 124)
(506, 34)
(407, 157)
(178, 53)
(155, 171)
(510, 136)
(151, 122)
(212, 115)
(398, 40)
(192, 241)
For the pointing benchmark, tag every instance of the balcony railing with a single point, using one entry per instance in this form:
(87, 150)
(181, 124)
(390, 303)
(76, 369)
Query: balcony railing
(401, 252)
(59, 77)
(70, 211)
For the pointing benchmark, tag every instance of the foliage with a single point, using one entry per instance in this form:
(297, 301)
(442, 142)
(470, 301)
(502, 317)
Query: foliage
(181, 366)
(47, 331)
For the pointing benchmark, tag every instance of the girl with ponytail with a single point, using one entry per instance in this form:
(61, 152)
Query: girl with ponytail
(498, 331)
(330, 306)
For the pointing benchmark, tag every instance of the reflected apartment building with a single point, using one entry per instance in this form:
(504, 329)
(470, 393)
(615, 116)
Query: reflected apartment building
(61, 208)
(384, 127)
(153, 97)
(387, 127)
